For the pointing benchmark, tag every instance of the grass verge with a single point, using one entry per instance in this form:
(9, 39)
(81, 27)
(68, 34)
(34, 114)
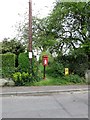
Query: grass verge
(68, 80)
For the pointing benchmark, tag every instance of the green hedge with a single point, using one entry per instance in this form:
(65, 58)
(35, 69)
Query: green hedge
(8, 64)
(23, 61)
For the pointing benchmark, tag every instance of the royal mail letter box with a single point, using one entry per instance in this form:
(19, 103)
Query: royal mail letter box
(45, 60)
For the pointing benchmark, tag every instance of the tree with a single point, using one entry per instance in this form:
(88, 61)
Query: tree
(41, 37)
(68, 23)
(12, 46)
(66, 28)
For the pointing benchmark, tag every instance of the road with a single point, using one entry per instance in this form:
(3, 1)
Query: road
(61, 105)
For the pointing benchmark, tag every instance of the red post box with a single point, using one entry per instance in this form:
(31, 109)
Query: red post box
(45, 63)
(45, 60)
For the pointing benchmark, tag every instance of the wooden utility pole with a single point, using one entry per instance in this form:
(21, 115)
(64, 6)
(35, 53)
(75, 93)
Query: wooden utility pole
(30, 33)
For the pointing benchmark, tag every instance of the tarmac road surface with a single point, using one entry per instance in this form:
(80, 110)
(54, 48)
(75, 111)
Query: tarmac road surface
(60, 105)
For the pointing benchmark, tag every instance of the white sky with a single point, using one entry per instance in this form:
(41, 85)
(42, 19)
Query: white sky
(9, 10)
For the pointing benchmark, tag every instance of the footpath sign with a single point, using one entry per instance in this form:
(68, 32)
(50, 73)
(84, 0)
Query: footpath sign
(66, 71)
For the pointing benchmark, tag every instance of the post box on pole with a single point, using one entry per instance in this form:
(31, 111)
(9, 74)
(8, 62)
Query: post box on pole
(45, 63)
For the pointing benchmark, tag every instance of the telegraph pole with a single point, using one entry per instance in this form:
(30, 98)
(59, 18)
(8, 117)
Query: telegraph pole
(30, 33)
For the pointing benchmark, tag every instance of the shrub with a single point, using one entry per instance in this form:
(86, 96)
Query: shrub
(74, 79)
(76, 62)
(24, 78)
(55, 69)
(29, 74)
(24, 66)
(79, 64)
(23, 61)
(26, 74)
(8, 64)
(17, 78)
(21, 78)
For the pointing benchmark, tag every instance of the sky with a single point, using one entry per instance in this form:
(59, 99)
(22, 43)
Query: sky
(9, 10)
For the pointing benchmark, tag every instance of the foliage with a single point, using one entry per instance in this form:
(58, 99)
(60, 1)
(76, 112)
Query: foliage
(86, 49)
(64, 29)
(41, 38)
(12, 45)
(21, 78)
(77, 62)
(55, 69)
(74, 79)
(25, 66)
(70, 24)
(8, 64)
(17, 78)
(23, 61)
(24, 78)
(25, 72)
(65, 80)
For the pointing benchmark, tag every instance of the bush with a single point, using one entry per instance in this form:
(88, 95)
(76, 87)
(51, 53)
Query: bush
(24, 78)
(8, 64)
(77, 62)
(17, 78)
(23, 61)
(29, 74)
(21, 78)
(74, 79)
(24, 65)
(55, 69)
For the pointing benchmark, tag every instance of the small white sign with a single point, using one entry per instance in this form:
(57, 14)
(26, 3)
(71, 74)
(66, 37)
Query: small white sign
(37, 57)
(30, 54)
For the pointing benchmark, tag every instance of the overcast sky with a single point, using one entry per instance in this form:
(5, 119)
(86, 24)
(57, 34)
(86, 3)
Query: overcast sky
(9, 10)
